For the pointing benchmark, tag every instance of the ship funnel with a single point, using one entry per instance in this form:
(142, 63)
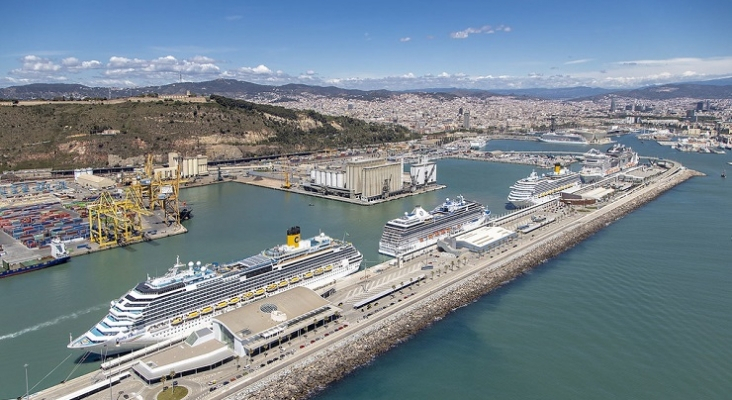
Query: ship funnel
(557, 168)
(293, 236)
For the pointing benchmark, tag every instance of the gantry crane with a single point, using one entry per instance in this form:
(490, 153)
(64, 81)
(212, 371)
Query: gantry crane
(115, 222)
(152, 192)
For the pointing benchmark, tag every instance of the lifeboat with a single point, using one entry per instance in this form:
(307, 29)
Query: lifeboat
(295, 279)
(308, 275)
(233, 301)
(222, 304)
(176, 321)
(329, 268)
(319, 271)
(192, 315)
(283, 283)
(207, 310)
(249, 295)
(259, 292)
(272, 287)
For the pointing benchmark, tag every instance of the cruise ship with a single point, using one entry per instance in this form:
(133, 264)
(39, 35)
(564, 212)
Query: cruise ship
(189, 295)
(419, 229)
(563, 138)
(537, 189)
(598, 165)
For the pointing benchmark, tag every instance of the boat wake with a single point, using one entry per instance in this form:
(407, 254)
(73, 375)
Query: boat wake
(52, 322)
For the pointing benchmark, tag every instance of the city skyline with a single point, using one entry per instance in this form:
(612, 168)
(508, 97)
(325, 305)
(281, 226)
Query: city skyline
(374, 45)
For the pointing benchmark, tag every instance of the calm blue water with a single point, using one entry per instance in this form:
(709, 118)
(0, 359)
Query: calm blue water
(640, 310)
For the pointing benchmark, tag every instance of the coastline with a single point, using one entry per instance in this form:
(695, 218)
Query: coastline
(317, 371)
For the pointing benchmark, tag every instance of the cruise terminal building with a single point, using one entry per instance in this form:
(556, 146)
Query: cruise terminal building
(244, 332)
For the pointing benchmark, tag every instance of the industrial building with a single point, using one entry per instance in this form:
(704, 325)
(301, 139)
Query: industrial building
(423, 173)
(86, 179)
(367, 179)
(189, 166)
(370, 179)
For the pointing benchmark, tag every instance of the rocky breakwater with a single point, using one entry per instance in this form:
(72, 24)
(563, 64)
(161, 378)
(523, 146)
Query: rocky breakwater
(317, 371)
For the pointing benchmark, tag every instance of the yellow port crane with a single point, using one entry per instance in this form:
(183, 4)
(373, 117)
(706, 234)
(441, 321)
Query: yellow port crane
(286, 184)
(115, 222)
(153, 192)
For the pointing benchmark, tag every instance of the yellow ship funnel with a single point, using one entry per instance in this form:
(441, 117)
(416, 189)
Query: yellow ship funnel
(557, 168)
(293, 236)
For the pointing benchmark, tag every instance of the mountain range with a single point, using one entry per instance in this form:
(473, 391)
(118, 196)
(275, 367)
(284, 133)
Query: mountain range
(713, 89)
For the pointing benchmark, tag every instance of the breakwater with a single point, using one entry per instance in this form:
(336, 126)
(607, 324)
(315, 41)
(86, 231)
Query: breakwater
(317, 371)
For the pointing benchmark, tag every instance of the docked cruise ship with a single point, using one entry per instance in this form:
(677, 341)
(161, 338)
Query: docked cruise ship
(563, 138)
(189, 295)
(598, 165)
(419, 229)
(537, 189)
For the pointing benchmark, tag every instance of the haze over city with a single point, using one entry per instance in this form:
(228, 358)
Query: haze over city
(367, 45)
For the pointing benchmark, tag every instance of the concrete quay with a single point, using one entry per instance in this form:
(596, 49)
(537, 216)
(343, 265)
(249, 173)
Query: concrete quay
(479, 275)
(310, 363)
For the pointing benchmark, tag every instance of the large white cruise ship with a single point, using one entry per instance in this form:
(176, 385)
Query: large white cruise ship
(563, 138)
(419, 228)
(598, 165)
(537, 189)
(189, 295)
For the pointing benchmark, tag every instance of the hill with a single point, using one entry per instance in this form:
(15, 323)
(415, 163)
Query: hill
(675, 91)
(63, 135)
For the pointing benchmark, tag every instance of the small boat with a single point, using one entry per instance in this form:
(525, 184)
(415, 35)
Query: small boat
(329, 268)
(308, 275)
(207, 310)
(233, 301)
(295, 279)
(272, 287)
(319, 271)
(192, 315)
(724, 174)
(222, 304)
(259, 292)
(249, 295)
(283, 283)
(176, 321)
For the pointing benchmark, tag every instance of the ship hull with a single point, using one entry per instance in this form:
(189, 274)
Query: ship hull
(30, 268)
(417, 244)
(150, 336)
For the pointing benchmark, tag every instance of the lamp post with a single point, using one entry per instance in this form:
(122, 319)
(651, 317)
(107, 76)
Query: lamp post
(26, 381)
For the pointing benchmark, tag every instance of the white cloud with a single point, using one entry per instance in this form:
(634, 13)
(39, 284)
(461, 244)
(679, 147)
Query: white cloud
(405, 39)
(483, 29)
(580, 61)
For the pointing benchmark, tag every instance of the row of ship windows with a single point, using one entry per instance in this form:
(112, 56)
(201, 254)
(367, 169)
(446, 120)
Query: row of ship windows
(173, 306)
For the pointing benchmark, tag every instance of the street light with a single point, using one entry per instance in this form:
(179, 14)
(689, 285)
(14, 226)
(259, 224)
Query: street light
(26, 381)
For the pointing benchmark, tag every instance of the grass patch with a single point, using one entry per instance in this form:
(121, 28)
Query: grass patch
(170, 394)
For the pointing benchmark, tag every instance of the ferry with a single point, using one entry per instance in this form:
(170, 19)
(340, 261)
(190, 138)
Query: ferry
(537, 189)
(172, 306)
(419, 229)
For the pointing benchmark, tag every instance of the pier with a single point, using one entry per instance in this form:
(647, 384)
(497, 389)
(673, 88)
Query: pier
(386, 304)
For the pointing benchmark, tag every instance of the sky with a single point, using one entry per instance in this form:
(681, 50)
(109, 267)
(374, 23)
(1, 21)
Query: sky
(371, 44)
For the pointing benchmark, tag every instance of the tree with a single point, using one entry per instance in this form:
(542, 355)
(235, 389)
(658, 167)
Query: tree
(163, 379)
(172, 375)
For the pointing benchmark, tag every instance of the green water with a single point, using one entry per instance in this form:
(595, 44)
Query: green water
(640, 310)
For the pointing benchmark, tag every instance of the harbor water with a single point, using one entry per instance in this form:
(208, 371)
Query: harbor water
(639, 310)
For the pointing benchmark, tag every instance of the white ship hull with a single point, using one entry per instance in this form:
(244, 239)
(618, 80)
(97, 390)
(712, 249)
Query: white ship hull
(417, 244)
(126, 343)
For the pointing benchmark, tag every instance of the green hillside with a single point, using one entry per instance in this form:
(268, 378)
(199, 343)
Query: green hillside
(62, 135)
